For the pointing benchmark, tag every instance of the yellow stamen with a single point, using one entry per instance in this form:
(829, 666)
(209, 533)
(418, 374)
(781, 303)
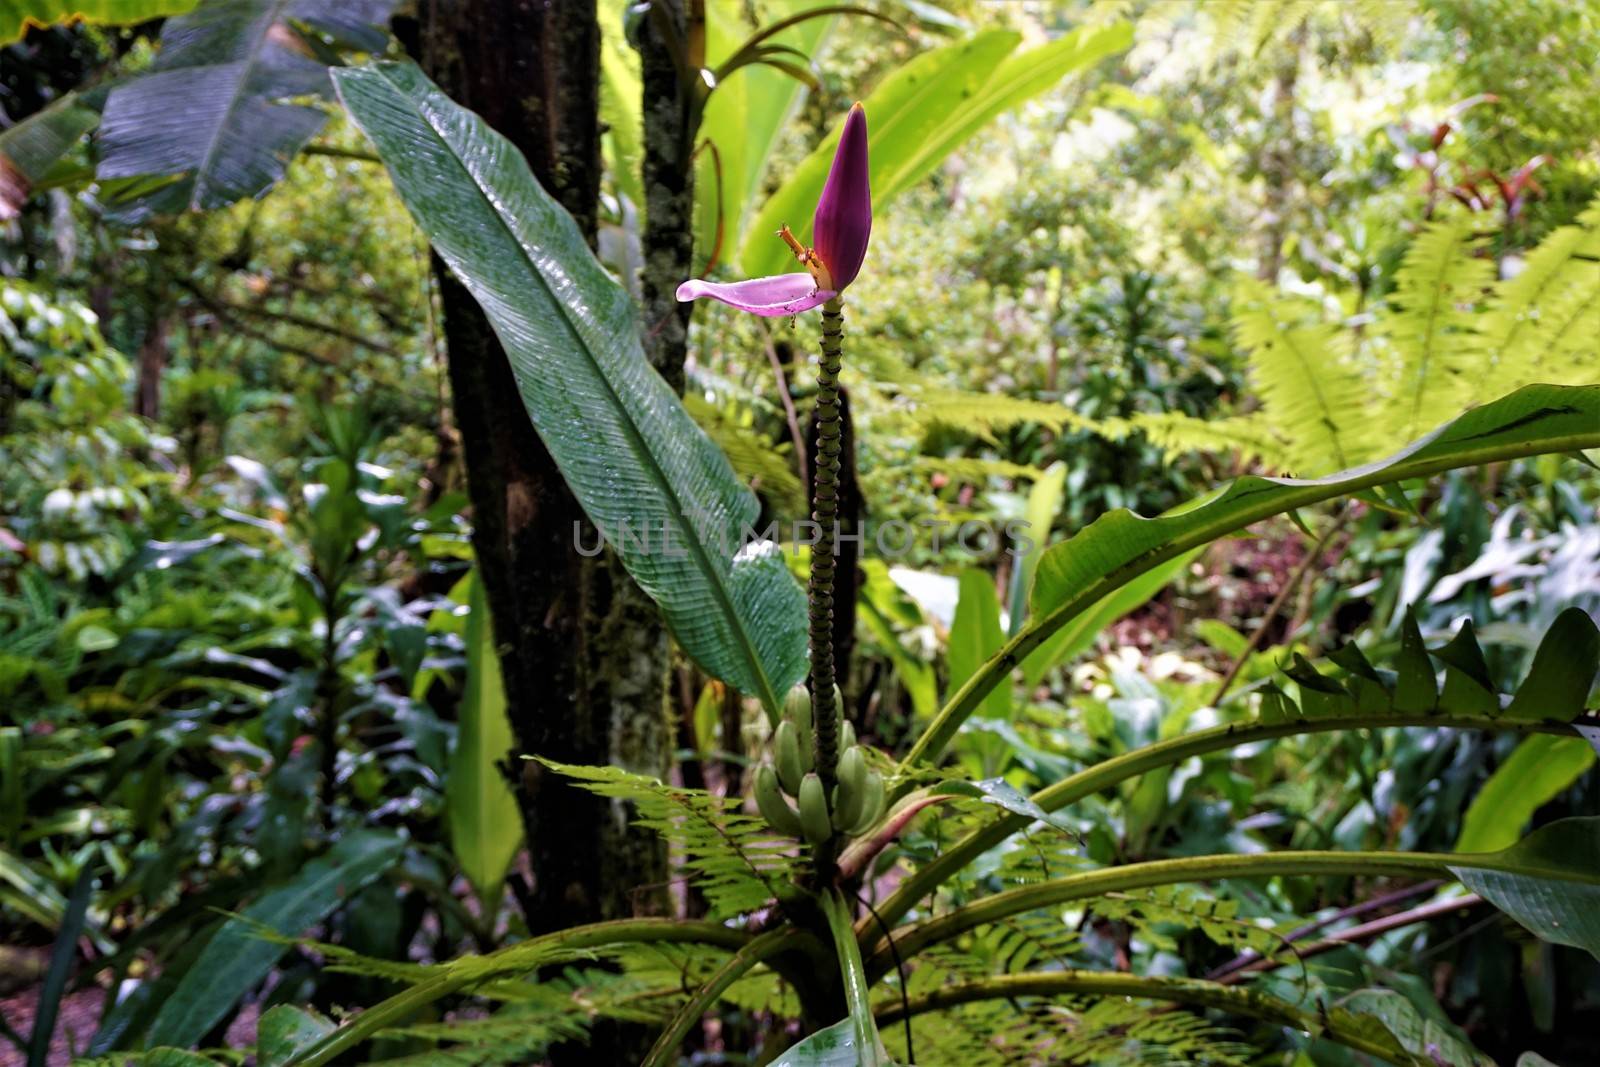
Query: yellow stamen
(808, 257)
(801, 252)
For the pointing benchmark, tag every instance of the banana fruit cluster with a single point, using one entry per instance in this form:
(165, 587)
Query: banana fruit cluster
(857, 799)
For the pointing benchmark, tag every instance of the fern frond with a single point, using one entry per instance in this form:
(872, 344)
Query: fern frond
(1303, 370)
(1249, 436)
(763, 464)
(1432, 330)
(1188, 908)
(1542, 324)
(732, 857)
(981, 414)
(976, 469)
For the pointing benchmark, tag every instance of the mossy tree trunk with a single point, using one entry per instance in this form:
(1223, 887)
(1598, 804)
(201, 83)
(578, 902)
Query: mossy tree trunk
(583, 650)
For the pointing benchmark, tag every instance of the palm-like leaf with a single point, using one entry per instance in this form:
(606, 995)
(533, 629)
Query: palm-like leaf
(210, 114)
(627, 447)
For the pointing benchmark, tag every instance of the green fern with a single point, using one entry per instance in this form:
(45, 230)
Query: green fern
(1151, 913)
(1541, 325)
(1303, 369)
(733, 858)
(759, 461)
(1431, 329)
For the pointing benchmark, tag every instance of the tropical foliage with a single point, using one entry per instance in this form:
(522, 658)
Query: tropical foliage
(1208, 671)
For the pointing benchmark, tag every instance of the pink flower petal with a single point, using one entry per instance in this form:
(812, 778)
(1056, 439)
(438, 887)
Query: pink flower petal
(773, 297)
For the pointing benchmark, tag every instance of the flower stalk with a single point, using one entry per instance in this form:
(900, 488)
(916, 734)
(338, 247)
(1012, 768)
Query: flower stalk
(824, 554)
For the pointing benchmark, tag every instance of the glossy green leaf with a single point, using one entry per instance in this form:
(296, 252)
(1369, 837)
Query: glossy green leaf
(913, 127)
(62, 956)
(620, 91)
(211, 111)
(1045, 498)
(1563, 670)
(238, 957)
(1078, 636)
(1537, 771)
(286, 1030)
(17, 15)
(635, 460)
(485, 823)
(975, 633)
(1120, 546)
(1002, 794)
(743, 119)
(1553, 884)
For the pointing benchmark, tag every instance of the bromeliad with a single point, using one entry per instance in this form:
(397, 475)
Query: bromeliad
(840, 227)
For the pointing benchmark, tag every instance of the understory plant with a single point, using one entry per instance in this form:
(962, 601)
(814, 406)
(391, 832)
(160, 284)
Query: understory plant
(821, 917)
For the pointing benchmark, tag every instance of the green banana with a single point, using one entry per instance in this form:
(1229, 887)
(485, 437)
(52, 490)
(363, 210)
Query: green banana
(847, 736)
(772, 805)
(797, 709)
(814, 810)
(847, 797)
(786, 757)
(871, 803)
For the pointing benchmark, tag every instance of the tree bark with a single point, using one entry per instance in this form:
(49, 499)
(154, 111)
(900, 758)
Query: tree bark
(152, 365)
(583, 651)
(671, 125)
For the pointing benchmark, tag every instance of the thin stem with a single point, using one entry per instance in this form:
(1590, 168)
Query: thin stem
(825, 513)
(1112, 772)
(1357, 934)
(518, 958)
(1378, 903)
(1097, 883)
(1178, 990)
(787, 398)
(1291, 495)
(1289, 586)
(767, 945)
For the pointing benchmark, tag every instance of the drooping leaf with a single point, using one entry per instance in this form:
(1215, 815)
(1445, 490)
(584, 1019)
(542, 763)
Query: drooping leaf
(31, 148)
(913, 126)
(1120, 546)
(1538, 770)
(238, 956)
(974, 635)
(1549, 882)
(676, 512)
(211, 112)
(485, 824)
(17, 15)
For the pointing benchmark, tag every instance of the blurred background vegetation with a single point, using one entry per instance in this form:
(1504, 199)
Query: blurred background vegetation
(235, 564)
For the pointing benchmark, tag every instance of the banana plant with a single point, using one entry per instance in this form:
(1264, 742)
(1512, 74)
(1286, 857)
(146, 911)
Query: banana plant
(780, 885)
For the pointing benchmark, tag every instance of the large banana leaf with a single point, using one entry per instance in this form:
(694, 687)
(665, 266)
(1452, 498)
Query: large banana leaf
(632, 455)
(239, 956)
(485, 826)
(913, 124)
(210, 112)
(17, 15)
(1120, 546)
